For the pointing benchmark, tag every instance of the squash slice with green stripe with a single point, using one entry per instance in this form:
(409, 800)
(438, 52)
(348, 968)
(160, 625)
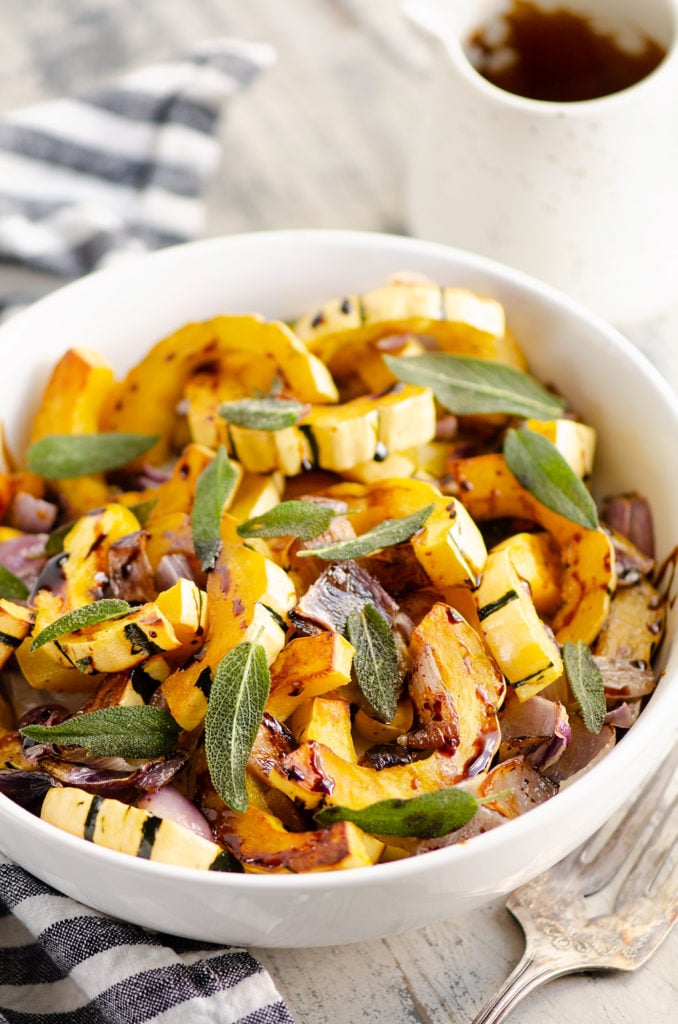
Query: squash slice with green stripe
(459, 320)
(248, 599)
(249, 348)
(520, 643)
(489, 490)
(118, 826)
(15, 623)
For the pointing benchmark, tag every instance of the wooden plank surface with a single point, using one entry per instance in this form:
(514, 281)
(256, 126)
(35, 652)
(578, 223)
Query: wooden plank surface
(322, 140)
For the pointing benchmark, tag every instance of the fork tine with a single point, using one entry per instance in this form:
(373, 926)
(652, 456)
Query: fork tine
(651, 858)
(608, 860)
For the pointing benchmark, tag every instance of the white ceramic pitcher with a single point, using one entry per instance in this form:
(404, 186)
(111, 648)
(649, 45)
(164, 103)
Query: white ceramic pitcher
(583, 195)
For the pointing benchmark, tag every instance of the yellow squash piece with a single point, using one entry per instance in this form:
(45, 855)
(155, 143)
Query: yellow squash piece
(263, 845)
(146, 401)
(78, 576)
(522, 646)
(120, 644)
(327, 721)
(537, 561)
(248, 597)
(178, 493)
(7, 721)
(185, 606)
(315, 773)
(131, 830)
(490, 491)
(339, 437)
(374, 731)
(459, 320)
(15, 623)
(372, 369)
(72, 403)
(308, 667)
(203, 394)
(575, 441)
(449, 547)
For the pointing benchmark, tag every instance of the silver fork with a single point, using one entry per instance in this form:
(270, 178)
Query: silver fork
(563, 936)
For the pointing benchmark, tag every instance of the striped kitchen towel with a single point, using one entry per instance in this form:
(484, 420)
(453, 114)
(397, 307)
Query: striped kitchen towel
(62, 963)
(124, 169)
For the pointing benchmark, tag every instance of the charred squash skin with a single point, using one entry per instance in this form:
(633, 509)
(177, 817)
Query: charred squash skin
(247, 595)
(314, 773)
(73, 403)
(262, 844)
(146, 400)
(489, 490)
(459, 320)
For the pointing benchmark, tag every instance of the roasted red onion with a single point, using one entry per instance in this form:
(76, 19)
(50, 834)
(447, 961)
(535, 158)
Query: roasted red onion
(31, 514)
(538, 728)
(169, 803)
(24, 556)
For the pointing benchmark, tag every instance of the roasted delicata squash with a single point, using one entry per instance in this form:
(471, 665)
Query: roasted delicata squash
(459, 320)
(118, 826)
(332, 594)
(489, 490)
(73, 403)
(262, 351)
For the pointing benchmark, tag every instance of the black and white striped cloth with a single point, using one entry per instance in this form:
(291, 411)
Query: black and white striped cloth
(124, 169)
(83, 182)
(62, 963)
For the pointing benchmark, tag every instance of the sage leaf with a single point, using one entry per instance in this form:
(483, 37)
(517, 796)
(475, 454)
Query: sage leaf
(586, 682)
(54, 544)
(541, 469)
(143, 509)
(11, 586)
(464, 385)
(213, 487)
(62, 456)
(236, 705)
(302, 519)
(141, 731)
(427, 816)
(79, 618)
(267, 413)
(384, 535)
(375, 661)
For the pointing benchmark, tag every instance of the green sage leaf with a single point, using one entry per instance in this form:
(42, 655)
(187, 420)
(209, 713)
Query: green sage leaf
(214, 485)
(375, 661)
(143, 509)
(302, 519)
(236, 705)
(541, 469)
(11, 586)
(428, 816)
(384, 535)
(267, 413)
(586, 682)
(62, 456)
(113, 732)
(79, 618)
(464, 385)
(54, 544)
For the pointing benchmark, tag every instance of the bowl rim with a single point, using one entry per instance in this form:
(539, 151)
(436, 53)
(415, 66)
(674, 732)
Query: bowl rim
(642, 741)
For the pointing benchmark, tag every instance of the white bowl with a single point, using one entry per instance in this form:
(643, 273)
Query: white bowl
(121, 312)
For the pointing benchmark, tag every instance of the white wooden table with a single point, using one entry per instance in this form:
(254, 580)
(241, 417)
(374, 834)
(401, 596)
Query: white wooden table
(322, 141)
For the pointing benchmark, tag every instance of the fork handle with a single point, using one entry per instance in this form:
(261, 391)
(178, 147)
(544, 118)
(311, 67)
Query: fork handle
(530, 972)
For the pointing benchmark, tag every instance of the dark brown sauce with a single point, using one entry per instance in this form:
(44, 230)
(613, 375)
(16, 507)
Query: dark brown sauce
(558, 55)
